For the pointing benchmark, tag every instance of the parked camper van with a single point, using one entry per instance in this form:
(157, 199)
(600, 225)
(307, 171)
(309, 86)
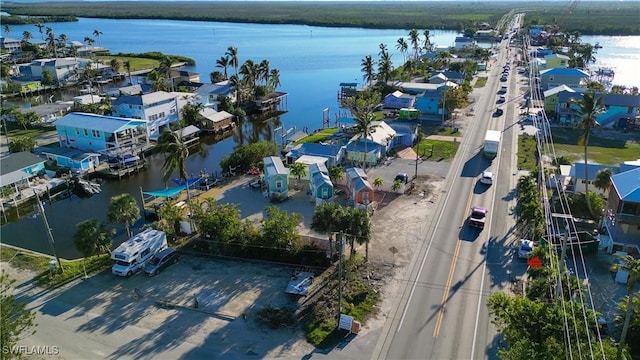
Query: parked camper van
(133, 254)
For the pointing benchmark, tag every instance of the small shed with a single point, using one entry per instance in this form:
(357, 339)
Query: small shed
(276, 177)
(408, 114)
(308, 161)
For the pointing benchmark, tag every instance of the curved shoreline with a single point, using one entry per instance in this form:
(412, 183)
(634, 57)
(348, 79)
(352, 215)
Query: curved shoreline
(442, 15)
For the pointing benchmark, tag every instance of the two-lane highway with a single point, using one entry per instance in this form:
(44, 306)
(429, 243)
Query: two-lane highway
(442, 312)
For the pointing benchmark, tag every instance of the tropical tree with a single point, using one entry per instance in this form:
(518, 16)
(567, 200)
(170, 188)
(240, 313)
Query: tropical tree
(22, 143)
(123, 209)
(191, 113)
(362, 109)
(326, 219)
(633, 333)
(358, 228)
(115, 65)
(414, 38)
(223, 63)
(336, 173)
(62, 42)
(385, 66)
(232, 54)
(40, 26)
(26, 36)
(618, 89)
(428, 46)
(588, 108)
(263, 71)
(93, 237)
(298, 170)
(97, 34)
(169, 217)
(377, 182)
(248, 70)
(367, 65)
(396, 186)
(7, 29)
(16, 320)
(176, 152)
(279, 229)
(402, 46)
(632, 266)
(603, 180)
(127, 66)
(274, 79)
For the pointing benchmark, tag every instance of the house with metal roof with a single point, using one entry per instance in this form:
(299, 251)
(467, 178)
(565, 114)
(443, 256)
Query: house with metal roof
(104, 134)
(398, 100)
(17, 169)
(578, 181)
(158, 108)
(359, 189)
(76, 160)
(556, 61)
(276, 176)
(208, 94)
(622, 220)
(216, 121)
(552, 97)
(334, 153)
(375, 147)
(573, 78)
(320, 186)
(63, 70)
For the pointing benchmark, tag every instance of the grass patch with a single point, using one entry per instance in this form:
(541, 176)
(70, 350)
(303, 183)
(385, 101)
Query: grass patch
(31, 131)
(318, 136)
(601, 150)
(437, 149)
(73, 269)
(22, 260)
(447, 131)
(527, 159)
(481, 81)
(136, 63)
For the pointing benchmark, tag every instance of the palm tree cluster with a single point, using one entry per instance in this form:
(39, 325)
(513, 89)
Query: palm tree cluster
(331, 218)
(250, 79)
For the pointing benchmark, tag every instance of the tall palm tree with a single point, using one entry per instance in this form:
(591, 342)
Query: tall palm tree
(62, 42)
(235, 82)
(96, 34)
(402, 46)
(632, 267)
(362, 110)
(177, 152)
(274, 79)
(26, 36)
(367, 68)
(262, 71)
(123, 209)
(428, 46)
(588, 108)
(7, 30)
(385, 67)
(232, 53)
(40, 26)
(223, 63)
(414, 38)
(127, 66)
(248, 70)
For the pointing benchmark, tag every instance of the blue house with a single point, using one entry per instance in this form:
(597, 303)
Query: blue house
(620, 108)
(573, 78)
(17, 169)
(333, 152)
(76, 160)
(398, 100)
(277, 178)
(578, 180)
(98, 133)
(320, 186)
(623, 210)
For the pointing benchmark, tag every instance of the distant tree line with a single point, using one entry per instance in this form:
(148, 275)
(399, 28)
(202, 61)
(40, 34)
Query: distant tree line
(25, 20)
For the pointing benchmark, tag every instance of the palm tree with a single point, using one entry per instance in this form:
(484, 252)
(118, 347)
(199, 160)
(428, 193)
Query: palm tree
(262, 71)
(123, 209)
(603, 180)
(632, 267)
(325, 220)
(362, 110)
(378, 182)
(7, 30)
(274, 79)
(298, 170)
(367, 68)
(589, 107)
(62, 42)
(40, 26)
(223, 63)
(428, 46)
(235, 82)
(402, 46)
(336, 174)
(414, 37)
(385, 67)
(97, 34)
(232, 53)
(127, 66)
(26, 36)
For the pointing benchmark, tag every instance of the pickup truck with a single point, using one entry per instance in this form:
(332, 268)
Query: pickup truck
(478, 217)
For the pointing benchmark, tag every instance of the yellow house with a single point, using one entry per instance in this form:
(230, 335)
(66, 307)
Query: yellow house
(552, 97)
(28, 85)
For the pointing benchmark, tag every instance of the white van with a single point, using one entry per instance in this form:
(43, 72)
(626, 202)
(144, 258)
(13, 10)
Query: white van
(133, 254)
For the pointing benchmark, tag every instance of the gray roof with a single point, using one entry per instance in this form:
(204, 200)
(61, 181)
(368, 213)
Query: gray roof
(621, 100)
(319, 179)
(11, 165)
(353, 173)
(72, 154)
(108, 124)
(274, 166)
(187, 131)
(145, 99)
(215, 116)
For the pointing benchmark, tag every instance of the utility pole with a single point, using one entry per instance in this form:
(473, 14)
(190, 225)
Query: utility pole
(417, 151)
(46, 226)
(340, 251)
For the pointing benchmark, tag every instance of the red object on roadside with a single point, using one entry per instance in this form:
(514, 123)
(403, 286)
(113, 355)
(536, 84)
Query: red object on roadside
(535, 262)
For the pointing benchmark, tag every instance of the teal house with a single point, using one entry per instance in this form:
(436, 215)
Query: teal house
(276, 175)
(320, 186)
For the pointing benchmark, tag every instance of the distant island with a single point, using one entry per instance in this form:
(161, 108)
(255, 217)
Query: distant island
(613, 18)
(26, 20)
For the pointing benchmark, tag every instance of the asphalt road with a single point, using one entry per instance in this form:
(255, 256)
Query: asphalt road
(442, 313)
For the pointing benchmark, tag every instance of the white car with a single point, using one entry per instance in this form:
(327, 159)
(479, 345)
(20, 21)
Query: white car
(486, 178)
(526, 248)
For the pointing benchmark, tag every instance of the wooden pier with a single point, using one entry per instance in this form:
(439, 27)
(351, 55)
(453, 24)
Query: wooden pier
(120, 172)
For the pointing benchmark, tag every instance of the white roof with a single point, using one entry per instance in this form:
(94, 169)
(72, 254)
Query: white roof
(309, 159)
(156, 97)
(87, 99)
(558, 89)
(108, 124)
(425, 86)
(215, 116)
(187, 131)
(127, 249)
(381, 133)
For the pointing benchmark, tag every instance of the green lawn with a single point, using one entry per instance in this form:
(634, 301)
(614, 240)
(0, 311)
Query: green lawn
(480, 82)
(318, 137)
(136, 63)
(442, 150)
(601, 150)
(31, 131)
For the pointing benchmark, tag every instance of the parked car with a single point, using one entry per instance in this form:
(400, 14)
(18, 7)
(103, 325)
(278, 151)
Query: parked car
(501, 99)
(526, 248)
(486, 178)
(161, 261)
(478, 217)
(503, 78)
(402, 177)
(499, 111)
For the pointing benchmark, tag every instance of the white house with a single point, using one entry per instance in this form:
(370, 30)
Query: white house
(208, 94)
(62, 70)
(158, 108)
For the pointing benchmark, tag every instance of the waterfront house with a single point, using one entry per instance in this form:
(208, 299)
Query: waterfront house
(428, 96)
(48, 113)
(442, 77)
(320, 185)
(62, 70)
(17, 169)
(552, 97)
(208, 94)
(359, 189)
(622, 220)
(398, 100)
(276, 176)
(11, 45)
(129, 90)
(104, 134)
(556, 61)
(215, 121)
(183, 76)
(76, 160)
(375, 146)
(158, 108)
(27, 84)
(620, 109)
(334, 153)
(571, 77)
(462, 42)
(87, 99)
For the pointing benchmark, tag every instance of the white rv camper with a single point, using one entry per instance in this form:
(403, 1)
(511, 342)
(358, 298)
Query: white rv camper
(133, 254)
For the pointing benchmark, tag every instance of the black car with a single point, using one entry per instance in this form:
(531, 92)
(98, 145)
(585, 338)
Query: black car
(160, 261)
(499, 112)
(402, 177)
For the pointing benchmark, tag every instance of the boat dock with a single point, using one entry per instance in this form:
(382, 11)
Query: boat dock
(119, 172)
